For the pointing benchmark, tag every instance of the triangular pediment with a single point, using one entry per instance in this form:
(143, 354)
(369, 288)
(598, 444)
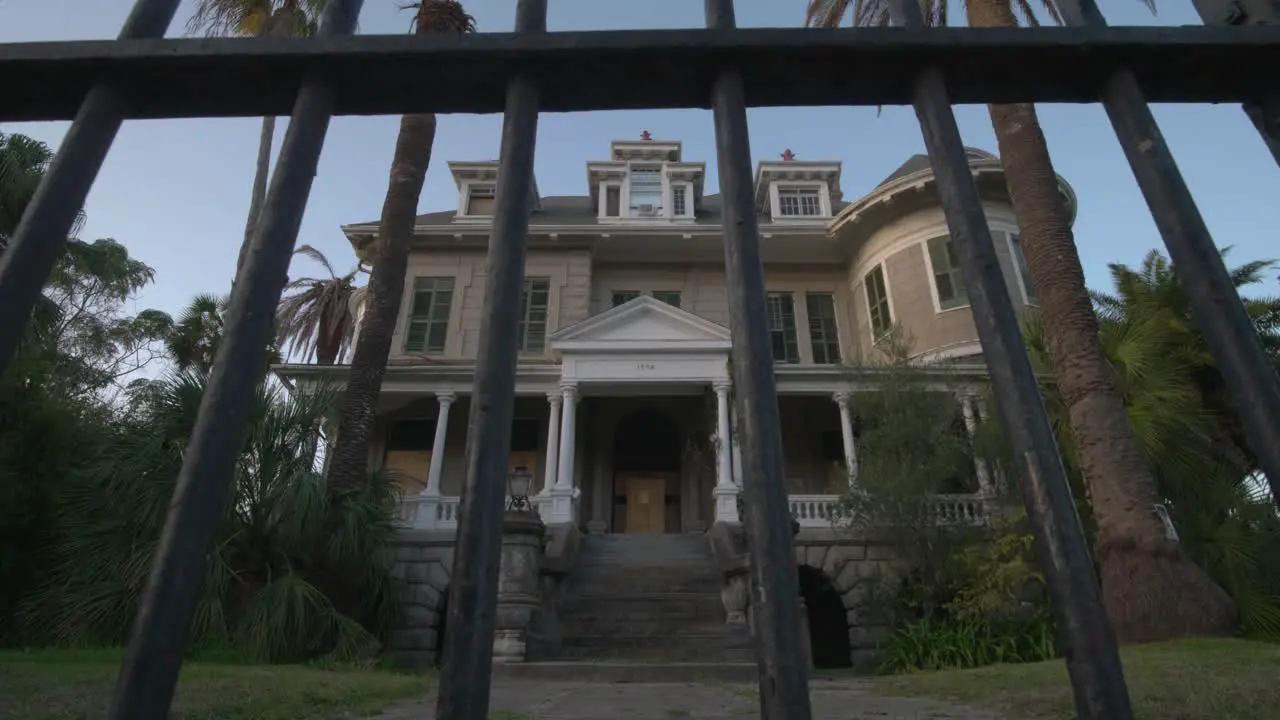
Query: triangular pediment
(642, 323)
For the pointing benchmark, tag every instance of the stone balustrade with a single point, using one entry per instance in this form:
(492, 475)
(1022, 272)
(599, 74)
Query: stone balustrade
(440, 512)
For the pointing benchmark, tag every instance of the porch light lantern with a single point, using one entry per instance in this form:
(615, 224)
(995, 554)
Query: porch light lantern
(519, 483)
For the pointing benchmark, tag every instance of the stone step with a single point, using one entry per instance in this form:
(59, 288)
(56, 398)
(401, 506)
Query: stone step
(640, 605)
(637, 586)
(629, 672)
(699, 649)
(657, 625)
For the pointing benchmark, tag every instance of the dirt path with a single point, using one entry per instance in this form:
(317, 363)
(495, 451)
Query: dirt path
(530, 700)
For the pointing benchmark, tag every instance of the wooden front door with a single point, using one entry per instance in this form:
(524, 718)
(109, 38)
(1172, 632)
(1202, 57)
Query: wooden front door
(646, 505)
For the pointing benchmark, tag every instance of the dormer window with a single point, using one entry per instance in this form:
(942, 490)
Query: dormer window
(479, 200)
(680, 200)
(646, 193)
(799, 201)
(611, 203)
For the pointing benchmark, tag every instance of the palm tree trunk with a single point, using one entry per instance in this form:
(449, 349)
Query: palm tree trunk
(1152, 591)
(348, 467)
(258, 195)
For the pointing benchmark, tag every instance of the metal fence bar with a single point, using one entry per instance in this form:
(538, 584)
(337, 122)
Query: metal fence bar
(162, 627)
(656, 69)
(41, 235)
(1215, 304)
(1087, 640)
(465, 672)
(1265, 113)
(775, 589)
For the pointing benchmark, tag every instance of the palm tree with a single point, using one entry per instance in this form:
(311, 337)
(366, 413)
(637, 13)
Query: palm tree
(196, 335)
(23, 161)
(1152, 591)
(1154, 294)
(390, 261)
(193, 342)
(320, 317)
(256, 18)
(1223, 515)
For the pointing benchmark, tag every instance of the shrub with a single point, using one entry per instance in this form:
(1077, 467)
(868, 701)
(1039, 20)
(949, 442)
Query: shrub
(294, 573)
(955, 644)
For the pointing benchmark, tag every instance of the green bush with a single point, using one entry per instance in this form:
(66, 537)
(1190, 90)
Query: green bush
(294, 572)
(954, 644)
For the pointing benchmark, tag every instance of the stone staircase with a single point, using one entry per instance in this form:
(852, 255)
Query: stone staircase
(648, 599)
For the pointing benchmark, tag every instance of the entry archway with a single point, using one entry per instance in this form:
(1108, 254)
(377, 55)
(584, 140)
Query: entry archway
(647, 458)
(828, 623)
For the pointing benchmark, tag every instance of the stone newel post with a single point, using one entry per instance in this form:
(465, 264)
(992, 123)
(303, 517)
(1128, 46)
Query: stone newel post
(519, 595)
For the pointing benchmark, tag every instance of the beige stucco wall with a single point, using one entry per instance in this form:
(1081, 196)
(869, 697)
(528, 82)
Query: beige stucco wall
(900, 246)
(703, 292)
(568, 271)
(581, 288)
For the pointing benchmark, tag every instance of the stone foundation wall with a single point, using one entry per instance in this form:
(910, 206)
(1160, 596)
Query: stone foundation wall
(856, 566)
(858, 569)
(423, 567)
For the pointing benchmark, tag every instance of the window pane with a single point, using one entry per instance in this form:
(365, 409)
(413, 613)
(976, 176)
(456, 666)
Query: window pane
(646, 191)
(1020, 260)
(823, 335)
(428, 325)
(780, 314)
(612, 201)
(533, 315)
(670, 297)
(480, 201)
(878, 302)
(416, 337)
(436, 337)
(947, 278)
(624, 296)
(440, 308)
(678, 200)
(799, 201)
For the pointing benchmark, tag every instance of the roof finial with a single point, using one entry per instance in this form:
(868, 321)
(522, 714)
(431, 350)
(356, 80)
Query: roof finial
(644, 135)
(787, 155)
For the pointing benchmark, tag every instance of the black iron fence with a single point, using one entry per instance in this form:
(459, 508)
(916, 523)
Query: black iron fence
(100, 84)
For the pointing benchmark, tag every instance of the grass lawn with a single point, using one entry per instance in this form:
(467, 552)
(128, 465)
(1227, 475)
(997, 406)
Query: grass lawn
(1183, 680)
(74, 684)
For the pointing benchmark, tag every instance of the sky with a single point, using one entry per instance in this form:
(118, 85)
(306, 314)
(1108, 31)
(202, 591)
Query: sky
(175, 192)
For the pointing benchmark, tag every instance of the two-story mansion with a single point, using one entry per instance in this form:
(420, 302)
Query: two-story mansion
(623, 382)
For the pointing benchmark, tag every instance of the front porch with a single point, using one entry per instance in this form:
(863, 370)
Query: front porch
(631, 428)
(633, 463)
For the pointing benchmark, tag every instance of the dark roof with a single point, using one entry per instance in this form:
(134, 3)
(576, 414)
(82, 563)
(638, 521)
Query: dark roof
(576, 209)
(916, 163)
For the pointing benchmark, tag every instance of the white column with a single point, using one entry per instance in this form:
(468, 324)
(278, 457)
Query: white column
(971, 426)
(846, 436)
(564, 476)
(735, 472)
(724, 445)
(725, 493)
(445, 399)
(553, 443)
(559, 507)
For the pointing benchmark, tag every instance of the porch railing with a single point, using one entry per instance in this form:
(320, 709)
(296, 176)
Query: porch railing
(441, 512)
(822, 510)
